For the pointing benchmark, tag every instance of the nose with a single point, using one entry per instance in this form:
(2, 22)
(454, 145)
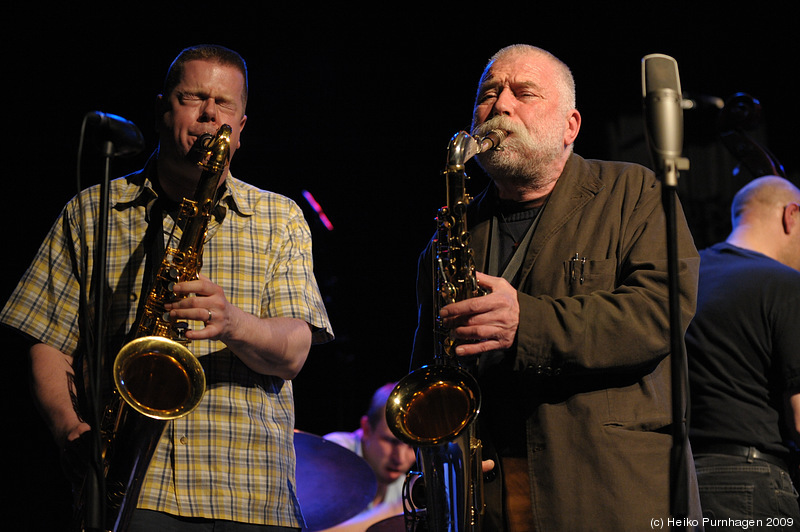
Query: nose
(402, 452)
(209, 111)
(504, 104)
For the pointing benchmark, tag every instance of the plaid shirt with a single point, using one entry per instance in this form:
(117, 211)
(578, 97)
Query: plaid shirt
(233, 457)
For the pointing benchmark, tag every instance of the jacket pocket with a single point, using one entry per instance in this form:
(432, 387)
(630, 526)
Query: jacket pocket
(586, 275)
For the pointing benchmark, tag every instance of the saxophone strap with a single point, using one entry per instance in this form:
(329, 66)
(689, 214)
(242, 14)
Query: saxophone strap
(154, 236)
(154, 253)
(513, 264)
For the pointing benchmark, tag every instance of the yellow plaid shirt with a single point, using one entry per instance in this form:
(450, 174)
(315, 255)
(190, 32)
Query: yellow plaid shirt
(233, 457)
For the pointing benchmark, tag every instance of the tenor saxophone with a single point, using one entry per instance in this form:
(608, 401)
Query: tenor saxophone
(156, 376)
(434, 408)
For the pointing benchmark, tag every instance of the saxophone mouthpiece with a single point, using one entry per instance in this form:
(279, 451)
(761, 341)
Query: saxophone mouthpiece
(211, 151)
(493, 139)
(199, 152)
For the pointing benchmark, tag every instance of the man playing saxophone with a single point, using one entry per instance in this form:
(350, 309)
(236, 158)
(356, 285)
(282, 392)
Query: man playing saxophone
(231, 459)
(572, 339)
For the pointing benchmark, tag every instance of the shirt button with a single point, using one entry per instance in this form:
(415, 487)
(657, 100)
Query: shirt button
(184, 440)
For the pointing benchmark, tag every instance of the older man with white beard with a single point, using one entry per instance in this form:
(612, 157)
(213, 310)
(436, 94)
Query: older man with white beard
(572, 340)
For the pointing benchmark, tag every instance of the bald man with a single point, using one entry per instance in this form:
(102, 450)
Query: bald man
(744, 360)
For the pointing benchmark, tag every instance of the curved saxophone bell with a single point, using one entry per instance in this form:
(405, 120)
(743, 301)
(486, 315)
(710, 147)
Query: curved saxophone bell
(433, 404)
(159, 377)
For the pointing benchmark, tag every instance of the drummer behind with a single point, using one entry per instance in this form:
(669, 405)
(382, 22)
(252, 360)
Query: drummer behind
(389, 458)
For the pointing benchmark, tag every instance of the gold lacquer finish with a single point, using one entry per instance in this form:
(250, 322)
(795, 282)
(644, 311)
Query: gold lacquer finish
(158, 377)
(435, 406)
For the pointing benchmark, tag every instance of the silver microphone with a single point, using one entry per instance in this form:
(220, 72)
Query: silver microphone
(661, 91)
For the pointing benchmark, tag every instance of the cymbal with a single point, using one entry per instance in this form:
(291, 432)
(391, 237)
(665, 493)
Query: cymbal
(333, 483)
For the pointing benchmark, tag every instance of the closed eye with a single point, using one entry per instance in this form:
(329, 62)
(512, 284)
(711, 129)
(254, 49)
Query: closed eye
(188, 98)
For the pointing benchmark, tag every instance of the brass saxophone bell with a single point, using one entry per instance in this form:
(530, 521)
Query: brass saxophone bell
(159, 378)
(433, 405)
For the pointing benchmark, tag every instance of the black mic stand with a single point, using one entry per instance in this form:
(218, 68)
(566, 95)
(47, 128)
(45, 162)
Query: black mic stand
(680, 437)
(94, 509)
(94, 518)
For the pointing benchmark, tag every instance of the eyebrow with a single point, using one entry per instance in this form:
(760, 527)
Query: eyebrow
(203, 94)
(491, 83)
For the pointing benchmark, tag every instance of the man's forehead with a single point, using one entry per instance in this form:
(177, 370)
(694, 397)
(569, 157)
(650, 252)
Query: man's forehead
(201, 70)
(517, 67)
(211, 78)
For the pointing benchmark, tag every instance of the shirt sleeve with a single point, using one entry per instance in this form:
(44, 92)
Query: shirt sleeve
(45, 304)
(293, 290)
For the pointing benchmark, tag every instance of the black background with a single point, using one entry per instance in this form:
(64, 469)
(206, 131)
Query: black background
(356, 105)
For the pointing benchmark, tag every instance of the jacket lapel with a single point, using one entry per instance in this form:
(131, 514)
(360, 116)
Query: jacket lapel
(575, 188)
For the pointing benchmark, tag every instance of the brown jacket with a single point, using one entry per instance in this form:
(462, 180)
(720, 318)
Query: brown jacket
(589, 378)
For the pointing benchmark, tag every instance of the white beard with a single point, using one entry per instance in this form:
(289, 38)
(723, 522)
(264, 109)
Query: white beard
(526, 159)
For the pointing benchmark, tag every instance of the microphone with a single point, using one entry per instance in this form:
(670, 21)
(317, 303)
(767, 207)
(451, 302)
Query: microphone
(661, 91)
(125, 138)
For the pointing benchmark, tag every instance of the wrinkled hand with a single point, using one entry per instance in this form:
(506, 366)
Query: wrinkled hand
(491, 321)
(208, 305)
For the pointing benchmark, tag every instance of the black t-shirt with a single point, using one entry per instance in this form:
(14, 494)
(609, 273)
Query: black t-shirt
(743, 348)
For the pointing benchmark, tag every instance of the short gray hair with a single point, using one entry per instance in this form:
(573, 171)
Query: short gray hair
(565, 81)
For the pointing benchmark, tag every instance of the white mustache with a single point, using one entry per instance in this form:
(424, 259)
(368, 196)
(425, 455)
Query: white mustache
(500, 122)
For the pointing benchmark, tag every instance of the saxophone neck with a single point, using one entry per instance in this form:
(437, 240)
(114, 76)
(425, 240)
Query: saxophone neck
(212, 151)
(212, 154)
(464, 146)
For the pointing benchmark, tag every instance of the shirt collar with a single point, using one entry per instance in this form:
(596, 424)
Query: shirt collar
(139, 190)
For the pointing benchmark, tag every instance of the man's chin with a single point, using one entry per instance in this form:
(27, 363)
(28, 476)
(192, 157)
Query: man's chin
(496, 163)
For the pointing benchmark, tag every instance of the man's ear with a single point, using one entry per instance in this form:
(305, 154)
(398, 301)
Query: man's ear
(791, 218)
(573, 127)
(241, 127)
(365, 428)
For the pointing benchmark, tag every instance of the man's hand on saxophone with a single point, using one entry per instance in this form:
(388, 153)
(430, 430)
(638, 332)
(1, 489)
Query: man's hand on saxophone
(270, 346)
(209, 305)
(489, 321)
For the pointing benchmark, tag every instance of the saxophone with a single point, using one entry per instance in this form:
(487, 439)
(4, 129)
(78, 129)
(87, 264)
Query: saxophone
(434, 408)
(156, 377)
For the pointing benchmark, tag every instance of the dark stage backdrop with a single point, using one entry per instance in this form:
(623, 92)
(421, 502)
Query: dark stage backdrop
(356, 106)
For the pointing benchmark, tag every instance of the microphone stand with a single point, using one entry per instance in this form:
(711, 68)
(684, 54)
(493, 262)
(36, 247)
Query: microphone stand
(680, 437)
(95, 500)
(123, 139)
(664, 130)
